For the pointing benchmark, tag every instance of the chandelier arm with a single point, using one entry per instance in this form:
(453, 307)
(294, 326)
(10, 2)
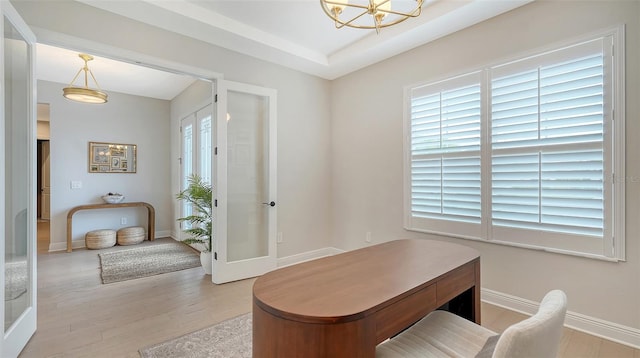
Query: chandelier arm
(94, 80)
(372, 9)
(75, 78)
(86, 77)
(343, 24)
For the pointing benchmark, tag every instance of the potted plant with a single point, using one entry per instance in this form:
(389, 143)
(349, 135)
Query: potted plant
(199, 195)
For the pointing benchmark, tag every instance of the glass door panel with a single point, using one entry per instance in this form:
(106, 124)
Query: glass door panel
(17, 182)
(247, 176)
(187, 161)
(204, 143)
(17, 144)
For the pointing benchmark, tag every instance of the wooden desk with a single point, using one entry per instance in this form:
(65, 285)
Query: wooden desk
(151, 218)
(344, 305)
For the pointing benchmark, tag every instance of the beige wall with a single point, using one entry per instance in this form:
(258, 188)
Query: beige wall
(367, 153)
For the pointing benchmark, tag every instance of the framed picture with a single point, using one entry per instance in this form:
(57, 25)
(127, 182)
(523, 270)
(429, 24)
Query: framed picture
(99, 154)
(112, 157)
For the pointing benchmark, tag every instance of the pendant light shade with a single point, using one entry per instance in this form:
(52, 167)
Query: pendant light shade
(85, 94)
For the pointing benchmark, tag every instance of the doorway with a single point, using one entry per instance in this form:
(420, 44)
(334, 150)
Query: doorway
(43, 177)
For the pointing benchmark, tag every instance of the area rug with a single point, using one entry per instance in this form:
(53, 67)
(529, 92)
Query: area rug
(227, 339)
(147, 261)
(15, 276)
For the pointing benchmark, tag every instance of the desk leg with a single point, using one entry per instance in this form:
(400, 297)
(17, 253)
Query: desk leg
(475, 296)
(151, 230)
(69, 229)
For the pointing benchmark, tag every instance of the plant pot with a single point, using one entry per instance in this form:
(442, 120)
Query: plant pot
(206, 262)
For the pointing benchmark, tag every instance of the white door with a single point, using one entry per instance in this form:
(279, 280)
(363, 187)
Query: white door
(17, 183)
(245, 182)
(196, 154)
(46, 182)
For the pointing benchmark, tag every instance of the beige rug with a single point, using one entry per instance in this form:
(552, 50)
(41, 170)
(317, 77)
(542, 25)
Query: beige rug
(227, 339)
(15, 279)
(147, 261)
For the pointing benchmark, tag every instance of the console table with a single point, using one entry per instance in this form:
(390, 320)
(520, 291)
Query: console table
(344, 305)
(151, 223)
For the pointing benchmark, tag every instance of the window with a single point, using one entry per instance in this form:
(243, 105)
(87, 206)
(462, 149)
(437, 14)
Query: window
(522, 153)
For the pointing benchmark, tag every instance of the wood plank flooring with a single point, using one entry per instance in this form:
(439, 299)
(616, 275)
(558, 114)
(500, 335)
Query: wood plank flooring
(78, 316)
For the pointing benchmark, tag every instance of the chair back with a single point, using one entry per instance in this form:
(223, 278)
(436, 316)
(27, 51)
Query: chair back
(538, 335)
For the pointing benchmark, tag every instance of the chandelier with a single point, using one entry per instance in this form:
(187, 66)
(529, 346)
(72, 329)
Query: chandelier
(353, 14)
(85, 94)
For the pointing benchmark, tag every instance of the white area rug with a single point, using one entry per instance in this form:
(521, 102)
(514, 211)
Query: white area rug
(147, 261)
(227, 339)
(15, 277)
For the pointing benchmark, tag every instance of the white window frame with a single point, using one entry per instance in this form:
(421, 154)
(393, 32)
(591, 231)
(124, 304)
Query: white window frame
(612, 246)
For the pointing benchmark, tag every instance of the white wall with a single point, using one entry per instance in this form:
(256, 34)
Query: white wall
(124, 119)
(367, 133)
(304, 169)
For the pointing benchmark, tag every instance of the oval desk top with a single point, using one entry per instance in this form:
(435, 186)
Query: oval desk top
(351, 285)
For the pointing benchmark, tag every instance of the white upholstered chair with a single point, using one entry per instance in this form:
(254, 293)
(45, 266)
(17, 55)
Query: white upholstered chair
(443, 334)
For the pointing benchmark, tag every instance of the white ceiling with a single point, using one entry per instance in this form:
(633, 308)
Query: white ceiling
(61, 65)
(292, 33)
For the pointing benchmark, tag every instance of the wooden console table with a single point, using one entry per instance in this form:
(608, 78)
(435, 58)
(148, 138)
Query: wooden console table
(344, 305)
(151, 223)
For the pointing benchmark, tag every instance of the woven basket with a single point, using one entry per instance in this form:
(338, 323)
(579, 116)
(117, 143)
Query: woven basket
(131, 235)
(100, 239)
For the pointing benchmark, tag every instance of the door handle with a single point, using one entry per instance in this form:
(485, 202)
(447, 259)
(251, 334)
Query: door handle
(273, 203)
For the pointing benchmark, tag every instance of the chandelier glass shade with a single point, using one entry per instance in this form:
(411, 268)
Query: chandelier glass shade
(352, 14)
(85, 94)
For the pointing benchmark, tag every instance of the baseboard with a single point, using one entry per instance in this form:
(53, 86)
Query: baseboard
(163, 233)
(306, 256)
(79, 244)
(604, 329)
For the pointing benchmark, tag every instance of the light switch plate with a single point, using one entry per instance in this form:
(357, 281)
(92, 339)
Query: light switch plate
(76, 184)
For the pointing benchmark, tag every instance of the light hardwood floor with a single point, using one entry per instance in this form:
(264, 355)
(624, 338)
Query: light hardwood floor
(78, 316)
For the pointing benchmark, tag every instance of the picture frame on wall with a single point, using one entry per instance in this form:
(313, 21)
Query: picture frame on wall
(107, 157)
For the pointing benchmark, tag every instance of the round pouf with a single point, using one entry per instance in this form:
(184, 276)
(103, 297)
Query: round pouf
(100, 239)
(131, 235)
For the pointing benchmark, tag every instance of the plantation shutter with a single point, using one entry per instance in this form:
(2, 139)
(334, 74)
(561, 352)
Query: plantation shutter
(525, 153)
(547, 150)
(445, 142)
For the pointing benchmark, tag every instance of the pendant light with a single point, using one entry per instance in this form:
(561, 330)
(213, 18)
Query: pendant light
(85, 94)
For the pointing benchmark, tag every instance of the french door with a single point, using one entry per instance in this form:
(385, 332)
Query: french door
(196, 153)
(245, 213)
(17, 183)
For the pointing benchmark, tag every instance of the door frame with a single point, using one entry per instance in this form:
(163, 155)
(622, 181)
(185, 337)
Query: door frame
(223, 270)
(16, 337)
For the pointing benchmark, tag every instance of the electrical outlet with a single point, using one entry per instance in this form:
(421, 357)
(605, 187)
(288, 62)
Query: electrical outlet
(279, 239)
(367, 236)
(123, 221)
(76, 184)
